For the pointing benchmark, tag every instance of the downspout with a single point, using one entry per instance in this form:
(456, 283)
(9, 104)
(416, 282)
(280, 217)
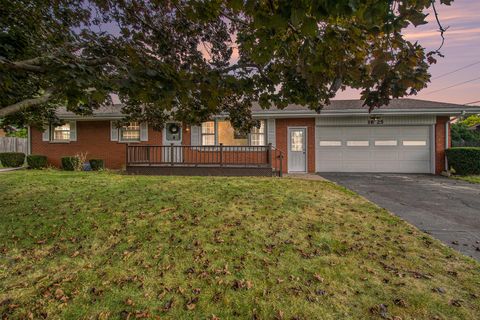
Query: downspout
(447, 133)
(29, 140)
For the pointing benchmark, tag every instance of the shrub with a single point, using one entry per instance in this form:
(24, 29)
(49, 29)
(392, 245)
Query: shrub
(12, 159)
(70, 163)
(464, 160)
(96, 164)
(36, 161)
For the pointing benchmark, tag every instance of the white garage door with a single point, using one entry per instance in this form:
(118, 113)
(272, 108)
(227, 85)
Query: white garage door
(403, 149)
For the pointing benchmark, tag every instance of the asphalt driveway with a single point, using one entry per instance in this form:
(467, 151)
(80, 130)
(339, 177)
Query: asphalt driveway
(446, 208)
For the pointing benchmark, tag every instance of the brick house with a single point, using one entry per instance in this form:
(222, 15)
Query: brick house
(407, 136)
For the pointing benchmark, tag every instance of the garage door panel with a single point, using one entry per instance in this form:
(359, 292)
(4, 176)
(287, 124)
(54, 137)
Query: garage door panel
(357, 166)
(414, 166)
(408, 154)
(328, 166)
(331, 134)
(330, 154)
(385, 152)
(421, 132)
(356, 153)
(384, 131)
(387, 166)
(358, 133)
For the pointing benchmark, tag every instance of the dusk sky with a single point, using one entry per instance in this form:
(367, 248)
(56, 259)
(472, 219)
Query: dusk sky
(461, 48)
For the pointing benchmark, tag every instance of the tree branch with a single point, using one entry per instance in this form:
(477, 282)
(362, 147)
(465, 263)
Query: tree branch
(440, 27)
(30, 64)
(234, 19)
(22, 65)
(26, 103)
(239, 66)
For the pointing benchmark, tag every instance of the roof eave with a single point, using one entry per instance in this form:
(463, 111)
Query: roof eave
(310, 113)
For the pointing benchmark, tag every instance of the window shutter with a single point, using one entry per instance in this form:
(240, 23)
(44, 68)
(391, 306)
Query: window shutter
(271, 132)
(143, 131)
(195, 136)
(113, 131)
(73, 130)
(46, 134)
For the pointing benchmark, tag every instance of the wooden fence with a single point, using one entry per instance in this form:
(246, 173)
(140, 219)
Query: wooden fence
(12, 144)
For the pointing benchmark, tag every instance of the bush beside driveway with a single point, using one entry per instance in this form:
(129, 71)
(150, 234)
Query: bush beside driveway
(102, 245)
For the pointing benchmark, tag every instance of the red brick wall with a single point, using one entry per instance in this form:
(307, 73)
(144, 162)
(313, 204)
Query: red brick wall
(93, 137)
(440, 144)
(282, 140)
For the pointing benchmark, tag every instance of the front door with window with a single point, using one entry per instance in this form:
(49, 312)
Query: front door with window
(172, 140)
(297, 149)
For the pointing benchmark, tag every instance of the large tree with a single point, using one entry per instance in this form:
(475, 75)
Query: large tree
(190, 59)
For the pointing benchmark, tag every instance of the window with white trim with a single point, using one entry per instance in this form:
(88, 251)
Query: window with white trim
(208, 133)
(61, 133)
(130, 132)
(257, 136)
(222, 132)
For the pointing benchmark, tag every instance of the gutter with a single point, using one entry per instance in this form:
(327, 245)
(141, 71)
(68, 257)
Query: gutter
(309, 113)
(356, 112)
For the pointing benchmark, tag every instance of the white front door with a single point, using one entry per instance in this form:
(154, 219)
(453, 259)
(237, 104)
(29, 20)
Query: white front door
(172, 135)
(297, 150)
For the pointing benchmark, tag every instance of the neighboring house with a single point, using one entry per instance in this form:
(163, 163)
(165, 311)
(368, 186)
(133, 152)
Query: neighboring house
(407, 136)
(2, 133)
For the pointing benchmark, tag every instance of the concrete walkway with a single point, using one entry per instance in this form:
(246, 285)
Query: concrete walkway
(304, 176)
(447, 209)
(10, 169)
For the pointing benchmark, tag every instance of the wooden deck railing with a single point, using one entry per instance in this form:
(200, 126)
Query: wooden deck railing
(205, 156)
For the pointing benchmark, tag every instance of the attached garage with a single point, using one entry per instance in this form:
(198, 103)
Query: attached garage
(388, 147)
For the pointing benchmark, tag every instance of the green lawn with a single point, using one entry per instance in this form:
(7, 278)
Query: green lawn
(472, 179)
(108, 246)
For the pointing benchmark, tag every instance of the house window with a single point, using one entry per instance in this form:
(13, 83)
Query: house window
(208, 133)
(222, 132)
(257, 136)
(130, 132)
(61, 133)
(228, 136)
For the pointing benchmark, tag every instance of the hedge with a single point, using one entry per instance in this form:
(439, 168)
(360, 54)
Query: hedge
(70, 163)
(12, 159)
(96, 164)
(464, 160)
(36, 161)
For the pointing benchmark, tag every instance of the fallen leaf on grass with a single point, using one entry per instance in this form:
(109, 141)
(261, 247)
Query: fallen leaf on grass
(242, 284)
(456, 302)
(191, 304)
(380, 310)
(318, 277)
(168, 305)
(400, 302)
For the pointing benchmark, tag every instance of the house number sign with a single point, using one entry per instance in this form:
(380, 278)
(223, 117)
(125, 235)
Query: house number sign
(375, 120)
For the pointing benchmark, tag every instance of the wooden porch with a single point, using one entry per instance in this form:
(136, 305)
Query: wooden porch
(204, 160)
